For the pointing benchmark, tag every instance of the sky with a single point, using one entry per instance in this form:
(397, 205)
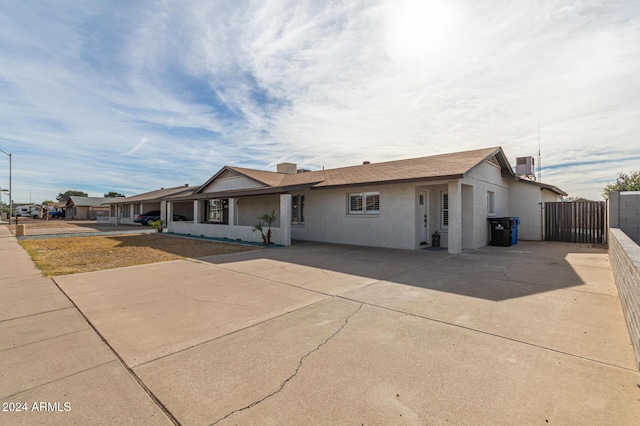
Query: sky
(131, 96)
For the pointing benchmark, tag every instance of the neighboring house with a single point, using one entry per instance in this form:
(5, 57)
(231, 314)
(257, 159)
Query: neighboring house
(396, 204)
(126, 208)
(84, 208)
(56, 207)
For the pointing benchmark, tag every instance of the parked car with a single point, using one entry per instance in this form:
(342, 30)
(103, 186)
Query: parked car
(53, 215)
(147, 218)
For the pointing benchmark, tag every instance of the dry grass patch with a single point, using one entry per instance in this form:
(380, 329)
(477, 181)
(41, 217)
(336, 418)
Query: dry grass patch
(62, 256)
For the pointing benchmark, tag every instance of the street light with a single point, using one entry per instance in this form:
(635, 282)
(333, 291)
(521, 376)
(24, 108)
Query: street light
(10, 191)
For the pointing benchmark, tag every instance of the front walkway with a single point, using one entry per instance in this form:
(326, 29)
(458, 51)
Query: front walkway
(330, 334)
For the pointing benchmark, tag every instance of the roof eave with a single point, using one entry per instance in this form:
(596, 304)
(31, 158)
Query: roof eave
(237, 193)
(390, 182)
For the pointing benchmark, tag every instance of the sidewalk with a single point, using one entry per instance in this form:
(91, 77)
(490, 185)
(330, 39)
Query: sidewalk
(54, 368)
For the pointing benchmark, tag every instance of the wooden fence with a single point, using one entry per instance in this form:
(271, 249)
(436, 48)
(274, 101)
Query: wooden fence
(577, 222)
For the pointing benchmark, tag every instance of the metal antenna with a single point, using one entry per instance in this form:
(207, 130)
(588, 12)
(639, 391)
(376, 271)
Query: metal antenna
(539, 156)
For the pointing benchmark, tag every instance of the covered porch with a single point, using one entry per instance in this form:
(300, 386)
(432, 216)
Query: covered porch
(232, 216)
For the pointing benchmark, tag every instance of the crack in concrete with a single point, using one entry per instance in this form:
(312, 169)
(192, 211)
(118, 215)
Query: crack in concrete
(295, 373)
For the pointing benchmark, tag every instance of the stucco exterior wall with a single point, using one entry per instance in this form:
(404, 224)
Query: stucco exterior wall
(249, 208)
(231, 232)
(327, 218)
(483, 179)
(526, 201)
(525, 204)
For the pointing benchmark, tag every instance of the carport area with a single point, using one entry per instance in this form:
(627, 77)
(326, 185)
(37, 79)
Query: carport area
(332, 334)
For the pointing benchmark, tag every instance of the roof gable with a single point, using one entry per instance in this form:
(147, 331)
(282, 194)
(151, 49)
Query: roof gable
(238, 178)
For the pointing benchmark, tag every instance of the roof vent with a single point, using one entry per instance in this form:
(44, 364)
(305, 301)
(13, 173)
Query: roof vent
(288, 168)
(364, 163)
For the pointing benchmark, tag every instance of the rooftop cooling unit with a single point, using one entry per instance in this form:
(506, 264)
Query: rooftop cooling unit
(525, 166)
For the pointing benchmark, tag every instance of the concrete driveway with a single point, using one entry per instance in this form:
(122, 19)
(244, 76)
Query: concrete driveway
(332, 334)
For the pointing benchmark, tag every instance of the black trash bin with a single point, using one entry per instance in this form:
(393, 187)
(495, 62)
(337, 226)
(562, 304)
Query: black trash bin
(501, 229)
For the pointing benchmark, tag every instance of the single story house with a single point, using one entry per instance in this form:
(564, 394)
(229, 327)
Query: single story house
(86, 208)
(56, 207)
(395, 204)
(125, 209)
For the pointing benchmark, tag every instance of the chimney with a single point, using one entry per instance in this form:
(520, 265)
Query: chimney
(364, 163)
(288, 168)
(186, 185)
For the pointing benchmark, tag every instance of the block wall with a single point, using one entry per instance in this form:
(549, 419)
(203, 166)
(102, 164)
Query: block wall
(624, 256)
(624, 213)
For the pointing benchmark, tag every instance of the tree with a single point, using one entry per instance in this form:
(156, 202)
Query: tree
(624, 182)
(113, 194)
(63, 197)
(47, 202)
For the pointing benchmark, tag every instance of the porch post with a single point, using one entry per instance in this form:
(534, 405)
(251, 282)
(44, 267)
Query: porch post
(196, 211)
(285, 219)
(232, 211)
(455, 217)
(168, 214)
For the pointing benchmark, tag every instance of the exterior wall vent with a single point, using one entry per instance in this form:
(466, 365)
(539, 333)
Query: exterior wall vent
(525, 166)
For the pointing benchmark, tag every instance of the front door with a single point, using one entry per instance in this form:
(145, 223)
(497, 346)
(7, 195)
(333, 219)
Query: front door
(423, 223)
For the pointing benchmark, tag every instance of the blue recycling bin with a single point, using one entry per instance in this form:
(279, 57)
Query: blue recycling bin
(514, 230)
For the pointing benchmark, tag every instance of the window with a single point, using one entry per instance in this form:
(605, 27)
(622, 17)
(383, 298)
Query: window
(491, 203)
(445, 210)
(364, 203)
(214, 211)
(125, 210)
(297, 209)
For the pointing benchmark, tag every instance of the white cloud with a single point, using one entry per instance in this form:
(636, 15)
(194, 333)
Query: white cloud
(140, 96)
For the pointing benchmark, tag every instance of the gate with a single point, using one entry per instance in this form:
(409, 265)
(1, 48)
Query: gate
(577, 222)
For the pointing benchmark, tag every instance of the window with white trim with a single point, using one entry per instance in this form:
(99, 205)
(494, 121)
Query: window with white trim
(364, 203)
(444, 216)
(491, 203)
(297, 209)
(214, 211)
